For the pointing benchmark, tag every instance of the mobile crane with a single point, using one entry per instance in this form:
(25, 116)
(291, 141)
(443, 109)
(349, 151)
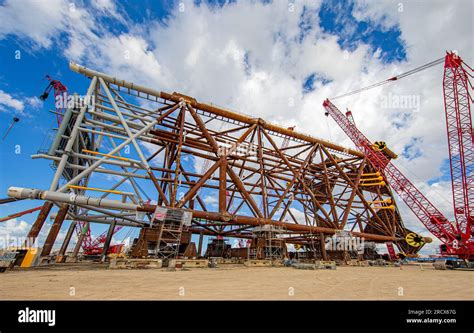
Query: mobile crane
(456, 237)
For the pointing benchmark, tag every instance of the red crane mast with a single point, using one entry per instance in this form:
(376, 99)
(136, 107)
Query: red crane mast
(456, 238)
(457, 103)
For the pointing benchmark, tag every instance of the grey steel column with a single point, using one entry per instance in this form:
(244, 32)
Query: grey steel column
(67, 239)
(77, 248)
(72, 138)
(200, 244)
(110, 233)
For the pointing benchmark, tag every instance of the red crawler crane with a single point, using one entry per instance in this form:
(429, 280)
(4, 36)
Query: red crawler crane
(456, 238)
(59, 90)
(95, 247)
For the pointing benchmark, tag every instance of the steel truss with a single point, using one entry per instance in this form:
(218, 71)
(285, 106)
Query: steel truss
(135, 145)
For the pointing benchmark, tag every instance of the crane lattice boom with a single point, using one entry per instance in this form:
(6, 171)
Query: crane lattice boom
(457, 100)
(428, 214)
(456, 86)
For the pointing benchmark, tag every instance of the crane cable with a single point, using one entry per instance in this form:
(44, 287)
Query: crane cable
(394, 78)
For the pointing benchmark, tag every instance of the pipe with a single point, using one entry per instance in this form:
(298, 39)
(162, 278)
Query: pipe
(72, 139)
(176, 97)
(99, 190)
(54, 231)
(248, 220)
(91, 218)
(60, 258)
(38, 224)
(60, 132)
(105, 249)
(18, 192)
(28, 193)
(78, 246)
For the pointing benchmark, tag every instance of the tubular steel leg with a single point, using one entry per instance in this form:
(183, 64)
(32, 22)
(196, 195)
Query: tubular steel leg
(323, 247)
(53, 233)
(38, 224)
(67, 239)
(200, 244)
(110, 233)
(77, 248)
(72, 139)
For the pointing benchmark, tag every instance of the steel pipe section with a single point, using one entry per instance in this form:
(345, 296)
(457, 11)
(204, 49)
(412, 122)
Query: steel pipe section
(27, 193)
(71, 198)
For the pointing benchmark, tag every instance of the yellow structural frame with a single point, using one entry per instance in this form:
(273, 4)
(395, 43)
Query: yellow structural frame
(96, 189)
(107, 155)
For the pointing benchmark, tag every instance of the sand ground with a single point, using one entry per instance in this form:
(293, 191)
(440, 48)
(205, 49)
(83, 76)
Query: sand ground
(238, 282)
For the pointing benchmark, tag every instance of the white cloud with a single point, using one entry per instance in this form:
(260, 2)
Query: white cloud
(211, 200)
(34, 102)
(14, 105)
(9, 104)
(13, 228)
(105, 5)
(38, 21)
(13, 233)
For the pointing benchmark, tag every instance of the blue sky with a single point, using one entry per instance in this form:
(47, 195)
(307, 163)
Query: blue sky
(377, 44)
(336, 17)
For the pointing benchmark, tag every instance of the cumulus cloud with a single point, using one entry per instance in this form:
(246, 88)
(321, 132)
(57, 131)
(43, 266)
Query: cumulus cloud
(13, 228)
(9, 104)
(41, 28)
(13, 233)
(34, 102)
(211, 200)
(15, 105)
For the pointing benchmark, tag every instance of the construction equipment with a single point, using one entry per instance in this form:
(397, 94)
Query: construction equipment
(456, 238)
(95, 247)
(98, 250)
(7, 259)
(391, 251)
(15, 120)
(25, 256)
(60, 90)
(414, 239)
(453, 263)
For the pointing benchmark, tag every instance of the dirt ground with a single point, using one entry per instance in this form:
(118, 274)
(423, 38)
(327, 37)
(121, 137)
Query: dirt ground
(238, 283)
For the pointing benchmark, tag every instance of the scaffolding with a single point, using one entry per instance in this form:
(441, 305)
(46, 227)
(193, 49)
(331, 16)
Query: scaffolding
(267, 243)
(165, 236)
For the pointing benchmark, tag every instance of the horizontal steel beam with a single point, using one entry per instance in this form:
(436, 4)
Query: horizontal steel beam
(25, 193)
(90, 218)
